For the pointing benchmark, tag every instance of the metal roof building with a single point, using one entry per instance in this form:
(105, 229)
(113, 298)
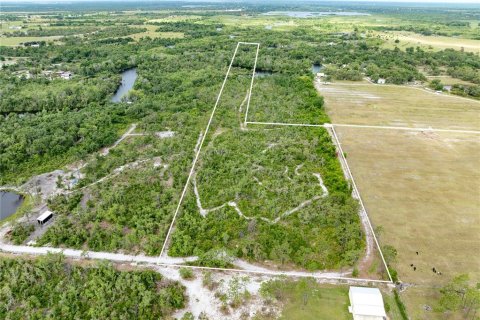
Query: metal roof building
(366, 304)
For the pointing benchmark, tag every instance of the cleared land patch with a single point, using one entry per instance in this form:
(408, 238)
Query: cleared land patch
(369, 104)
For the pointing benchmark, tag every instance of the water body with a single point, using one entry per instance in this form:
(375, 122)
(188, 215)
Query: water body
(261, 73)
(316, 68)
(9, 203)
(311, 14)
(128, 79)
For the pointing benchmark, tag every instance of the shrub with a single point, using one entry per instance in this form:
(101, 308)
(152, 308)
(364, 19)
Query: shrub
(186, 273)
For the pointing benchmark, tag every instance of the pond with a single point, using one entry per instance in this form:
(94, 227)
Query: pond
(316, 68)
(128, 79)
(310, 14)
(9, 203)
(262, 73)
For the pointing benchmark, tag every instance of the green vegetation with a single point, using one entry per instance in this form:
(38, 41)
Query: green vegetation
(458, 294)
(186, 273)
(20, 232)
(53, 288)
(305, 299)
(258, 192)
(400, 305)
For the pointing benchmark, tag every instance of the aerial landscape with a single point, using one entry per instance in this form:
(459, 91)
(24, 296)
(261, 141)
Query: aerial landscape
(239, 160)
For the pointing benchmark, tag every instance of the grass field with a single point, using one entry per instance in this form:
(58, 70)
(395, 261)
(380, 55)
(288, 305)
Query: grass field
(423, 189)
(410, 39)
(154, 34)
(305, 299)
(16, 41)
(369, 104)
(447, 80)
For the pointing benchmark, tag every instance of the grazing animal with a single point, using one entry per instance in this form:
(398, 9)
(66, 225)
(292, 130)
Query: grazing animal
(411, 265)
(414, 268)
(434, 270)
(416, 252)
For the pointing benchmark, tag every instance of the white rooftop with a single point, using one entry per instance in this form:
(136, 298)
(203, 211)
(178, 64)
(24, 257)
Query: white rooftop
(366, 301)
(45, 215)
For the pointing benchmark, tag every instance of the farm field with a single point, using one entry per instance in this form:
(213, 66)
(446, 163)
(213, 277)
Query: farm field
(410, 39)
(423, 189)
(387, 105)
(16, 41)
(152, 33)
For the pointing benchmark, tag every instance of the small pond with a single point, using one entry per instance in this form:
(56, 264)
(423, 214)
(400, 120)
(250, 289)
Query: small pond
(128, 79)
(262, 73)
(316, 68)
(9, 203)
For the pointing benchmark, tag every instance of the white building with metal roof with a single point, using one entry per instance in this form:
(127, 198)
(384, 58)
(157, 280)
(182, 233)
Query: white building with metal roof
(366, 304)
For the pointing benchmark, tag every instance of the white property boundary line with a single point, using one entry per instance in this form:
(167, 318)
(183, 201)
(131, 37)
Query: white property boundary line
(361, 202)
(161, 261)
(349, 173)
(404, 86)
(251, 83)
(203, 139)
(327, 125)
(404, 128)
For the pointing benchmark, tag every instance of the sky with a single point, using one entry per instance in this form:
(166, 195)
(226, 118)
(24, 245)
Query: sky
(259, 1)
(415, 1)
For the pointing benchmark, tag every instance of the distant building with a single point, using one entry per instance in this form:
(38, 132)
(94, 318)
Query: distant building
(15, 27)
(23, 74)
(44, 217)
(320, 74)
(66, 75)
(366, 304)
(447, 88)
(381, 81)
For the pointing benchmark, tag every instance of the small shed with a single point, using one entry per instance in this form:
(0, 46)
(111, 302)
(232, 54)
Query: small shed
(381, 81)
(44, 217)
(366, 304)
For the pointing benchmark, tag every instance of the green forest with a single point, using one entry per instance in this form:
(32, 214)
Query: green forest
(52, 288)
(46, 124)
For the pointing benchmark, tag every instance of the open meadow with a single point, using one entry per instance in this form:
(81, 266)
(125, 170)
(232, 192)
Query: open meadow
(421, 188)
(410, 39)
(386, 105)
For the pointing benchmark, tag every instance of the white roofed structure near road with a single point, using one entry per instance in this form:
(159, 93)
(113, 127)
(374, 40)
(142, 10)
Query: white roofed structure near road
(44, 217)
(366, 304)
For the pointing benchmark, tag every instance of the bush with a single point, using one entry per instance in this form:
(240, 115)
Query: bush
(400, 305)
(186, 273)
(355, 272)
(20, 232)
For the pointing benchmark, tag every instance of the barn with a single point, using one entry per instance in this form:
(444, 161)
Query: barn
(366, 304)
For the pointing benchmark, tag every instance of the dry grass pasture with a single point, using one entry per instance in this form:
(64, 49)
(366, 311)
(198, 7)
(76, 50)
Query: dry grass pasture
(423, 189)
(150, 32)
(389, 105)
(410, 39)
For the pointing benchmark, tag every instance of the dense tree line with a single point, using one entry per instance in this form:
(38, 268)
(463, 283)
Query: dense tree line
(49, 287)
